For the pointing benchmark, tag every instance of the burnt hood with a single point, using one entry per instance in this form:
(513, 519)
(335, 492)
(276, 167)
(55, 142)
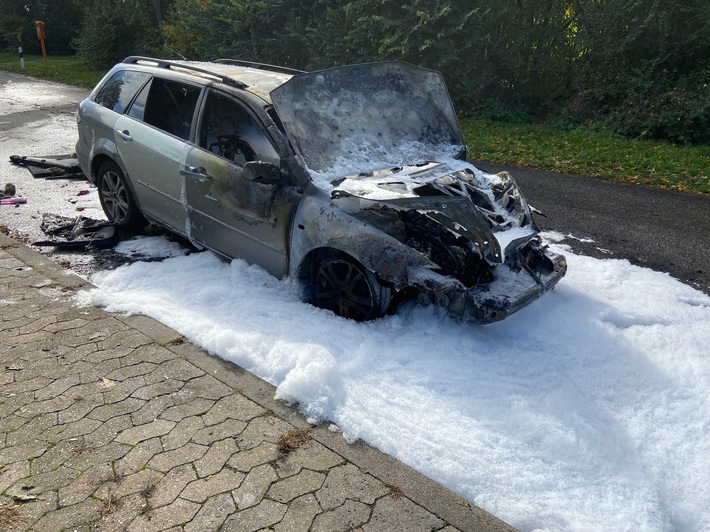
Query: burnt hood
(360, 118)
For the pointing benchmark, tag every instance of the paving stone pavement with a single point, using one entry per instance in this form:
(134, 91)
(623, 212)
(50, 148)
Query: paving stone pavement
(110, 422)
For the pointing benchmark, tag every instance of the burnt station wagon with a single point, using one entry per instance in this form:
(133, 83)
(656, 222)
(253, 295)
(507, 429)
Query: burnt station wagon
(353, 179)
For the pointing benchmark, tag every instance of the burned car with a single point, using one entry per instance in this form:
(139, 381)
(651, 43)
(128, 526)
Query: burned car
(354, 179)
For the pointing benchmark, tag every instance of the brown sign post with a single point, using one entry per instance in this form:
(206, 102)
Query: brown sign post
(40, 36)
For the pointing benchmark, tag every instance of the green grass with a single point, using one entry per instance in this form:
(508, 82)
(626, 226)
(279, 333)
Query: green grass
(64, 69)
(576, 151)
(591, 153)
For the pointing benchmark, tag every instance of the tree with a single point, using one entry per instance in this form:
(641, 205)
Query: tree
(62, 20)
(114, 29)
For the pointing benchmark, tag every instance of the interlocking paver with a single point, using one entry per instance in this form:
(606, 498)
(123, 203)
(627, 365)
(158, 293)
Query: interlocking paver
(133, 435)
(85, 484)
(399, 513)
(349, 516)
(55, 404)
(265, 514)
(108, 431)
(153, 408)
(140, 482)
(11, 422)
(25, 385)
(107, 411)
(229, 428)
(42, 483)
(348, 482)
(118, 514)
(152, 353)
(175, 369)
(207, 387)
(12, 473)
(72, 516)
(28, 449)
(30, 429)
(233, 407)
(300, 514)
(122, 390)
(182, 455)
(255, 485)
(172, 484)
(159, 388)
(175, 514)
(195, 407)
(261, 454)
(216, 456)
(92, 456)
(32, 511)
(264, 428)
(138, 457)
(133, 370)
(81, 407)
(56, 388)
(293, 487)
(78, 428)
(212, 514)
(183, 432)
(310, 455)
(201, 489)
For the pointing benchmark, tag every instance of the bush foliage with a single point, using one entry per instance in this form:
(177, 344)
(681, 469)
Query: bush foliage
(640, 68)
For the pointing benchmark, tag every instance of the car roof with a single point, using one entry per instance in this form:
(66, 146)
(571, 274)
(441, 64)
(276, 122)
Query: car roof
(257, 78)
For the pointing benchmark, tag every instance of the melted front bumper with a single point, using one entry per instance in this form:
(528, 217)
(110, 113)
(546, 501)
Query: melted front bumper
(515, 287)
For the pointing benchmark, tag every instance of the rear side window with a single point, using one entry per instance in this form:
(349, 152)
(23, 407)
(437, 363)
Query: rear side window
(167, 105)
(118, 91)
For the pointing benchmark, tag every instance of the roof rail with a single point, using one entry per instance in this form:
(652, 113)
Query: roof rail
(171, 65)
(260, 66)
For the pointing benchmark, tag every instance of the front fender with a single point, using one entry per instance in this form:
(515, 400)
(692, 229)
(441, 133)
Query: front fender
(319, 224)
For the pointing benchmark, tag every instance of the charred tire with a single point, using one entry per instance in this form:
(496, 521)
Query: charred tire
(116, 198)
(346, 287)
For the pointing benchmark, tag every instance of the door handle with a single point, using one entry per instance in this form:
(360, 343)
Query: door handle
(198, 173)
(125, 135)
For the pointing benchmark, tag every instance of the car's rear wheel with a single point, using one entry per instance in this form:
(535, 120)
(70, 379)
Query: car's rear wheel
(116, 198)
(344, 286)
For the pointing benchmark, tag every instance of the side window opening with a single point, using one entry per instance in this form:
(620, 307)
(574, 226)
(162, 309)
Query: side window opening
(230, 131)
(167, 105)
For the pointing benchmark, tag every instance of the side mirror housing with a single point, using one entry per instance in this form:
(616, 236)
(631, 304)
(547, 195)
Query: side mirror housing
(263, 172)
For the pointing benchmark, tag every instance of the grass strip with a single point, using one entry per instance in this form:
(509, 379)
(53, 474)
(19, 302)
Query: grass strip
(591, 153)
(63, 69)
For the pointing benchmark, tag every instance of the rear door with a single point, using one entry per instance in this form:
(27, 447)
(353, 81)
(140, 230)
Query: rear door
(153, 142)
(234, 216)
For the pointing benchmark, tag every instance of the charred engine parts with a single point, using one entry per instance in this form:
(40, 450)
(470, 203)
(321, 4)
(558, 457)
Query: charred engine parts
(455, 255)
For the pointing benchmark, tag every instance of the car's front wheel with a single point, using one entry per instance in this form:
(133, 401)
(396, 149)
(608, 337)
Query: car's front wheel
(344, 286)
(116, 198)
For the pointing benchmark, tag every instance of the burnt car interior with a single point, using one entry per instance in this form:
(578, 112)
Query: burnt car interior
(170, 106)
(229, 131)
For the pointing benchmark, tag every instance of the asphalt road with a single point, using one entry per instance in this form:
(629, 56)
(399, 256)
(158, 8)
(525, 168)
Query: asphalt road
(663, 230)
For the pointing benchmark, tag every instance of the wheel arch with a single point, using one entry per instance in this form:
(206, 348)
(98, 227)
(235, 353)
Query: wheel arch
(320, 227)
(99, 159)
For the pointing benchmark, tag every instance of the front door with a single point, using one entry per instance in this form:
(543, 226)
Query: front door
(233, 216)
